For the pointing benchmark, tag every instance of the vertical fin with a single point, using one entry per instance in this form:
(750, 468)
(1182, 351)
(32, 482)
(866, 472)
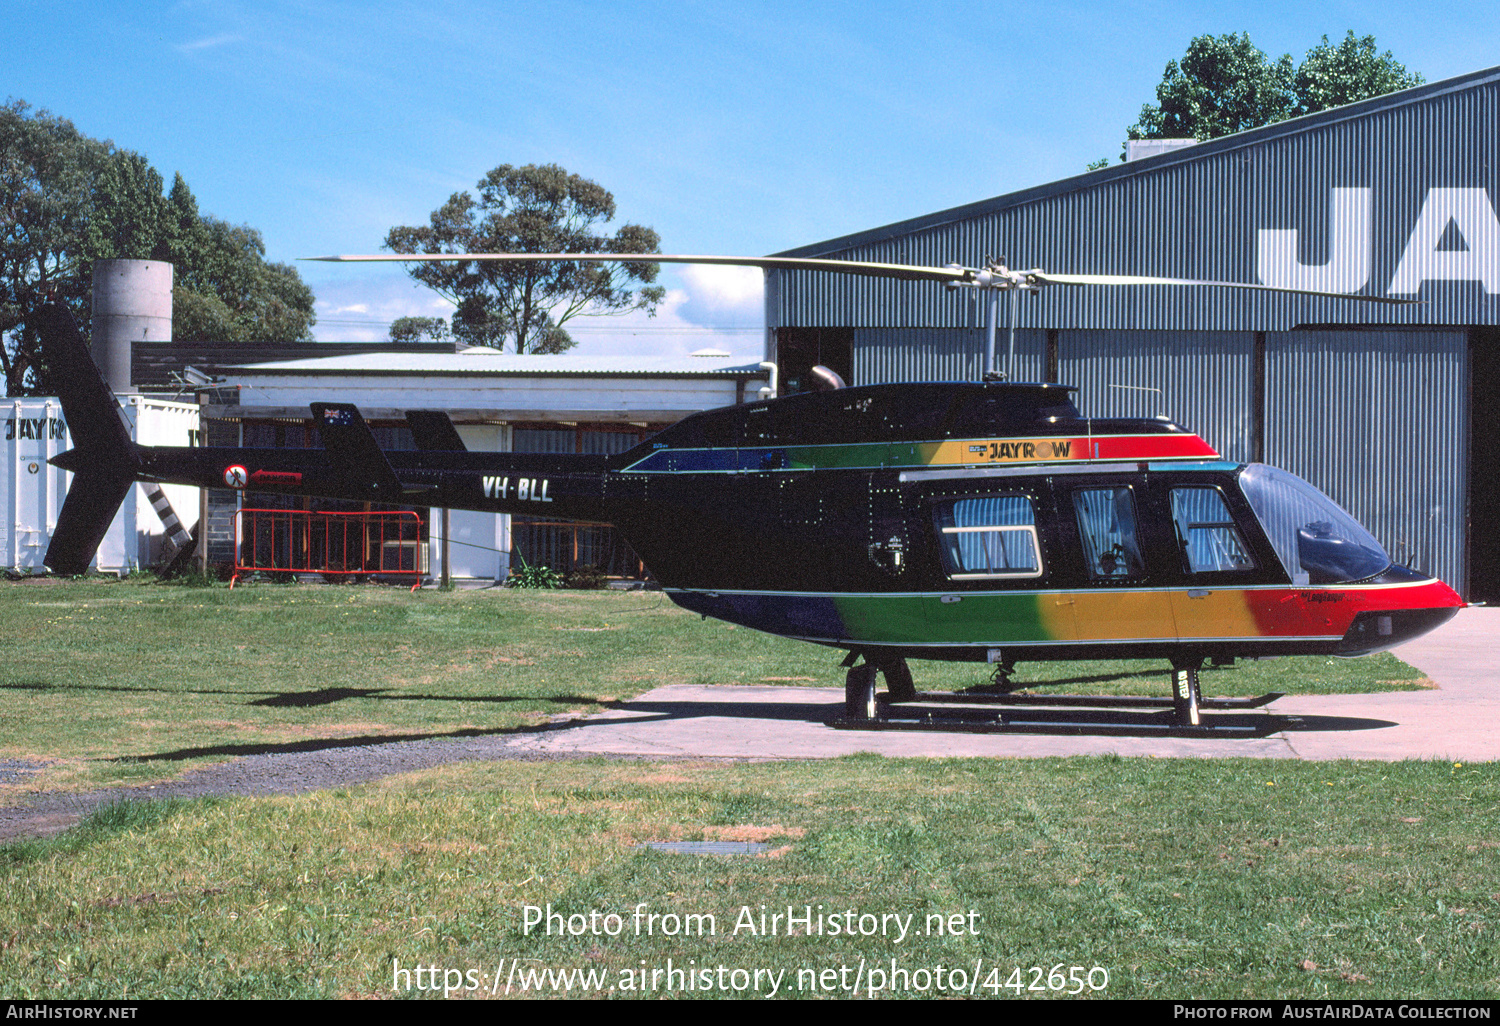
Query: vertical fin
(352, 448)
(93, 416)
(433, 430)
(104, 460)
(87, 512)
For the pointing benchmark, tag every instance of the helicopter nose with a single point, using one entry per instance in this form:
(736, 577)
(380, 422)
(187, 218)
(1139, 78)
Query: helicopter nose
(1449, 597)
(1378, 630)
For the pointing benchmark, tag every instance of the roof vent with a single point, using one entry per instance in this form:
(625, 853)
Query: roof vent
(1140, 149)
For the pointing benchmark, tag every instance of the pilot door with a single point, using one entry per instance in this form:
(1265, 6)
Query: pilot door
(1215, 564)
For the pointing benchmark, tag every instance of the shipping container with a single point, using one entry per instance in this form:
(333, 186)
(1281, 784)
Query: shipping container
(35, 431)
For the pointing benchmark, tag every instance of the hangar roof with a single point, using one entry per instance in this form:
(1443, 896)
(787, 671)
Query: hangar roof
(1150, 165)
(487, 386)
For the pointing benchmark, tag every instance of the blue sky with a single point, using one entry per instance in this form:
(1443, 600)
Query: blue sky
(745, 128)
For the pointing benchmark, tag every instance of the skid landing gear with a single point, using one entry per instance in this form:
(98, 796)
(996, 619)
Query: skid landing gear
(1187, 697)
(991, 710)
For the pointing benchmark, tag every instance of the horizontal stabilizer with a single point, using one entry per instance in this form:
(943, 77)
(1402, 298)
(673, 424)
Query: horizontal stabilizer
(434, 431)
(352, 448)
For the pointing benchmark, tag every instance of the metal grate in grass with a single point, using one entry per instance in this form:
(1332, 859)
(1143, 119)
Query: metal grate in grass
(707, 847)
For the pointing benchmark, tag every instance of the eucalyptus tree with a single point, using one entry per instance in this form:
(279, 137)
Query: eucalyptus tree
(530, 209)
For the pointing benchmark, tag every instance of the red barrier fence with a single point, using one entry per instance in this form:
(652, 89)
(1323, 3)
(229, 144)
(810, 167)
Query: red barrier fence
(299, 541)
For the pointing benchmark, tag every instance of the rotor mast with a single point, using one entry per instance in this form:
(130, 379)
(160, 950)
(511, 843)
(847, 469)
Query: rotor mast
(995, 277)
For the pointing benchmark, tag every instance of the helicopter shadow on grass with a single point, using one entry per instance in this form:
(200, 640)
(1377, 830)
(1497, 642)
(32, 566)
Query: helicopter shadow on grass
(1032, 714)
(297, 699)
(311, 699)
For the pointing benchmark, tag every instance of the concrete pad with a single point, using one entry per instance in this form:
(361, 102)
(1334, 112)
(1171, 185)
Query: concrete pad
(1459, 721)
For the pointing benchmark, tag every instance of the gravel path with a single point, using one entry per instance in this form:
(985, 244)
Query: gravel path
(257, 775)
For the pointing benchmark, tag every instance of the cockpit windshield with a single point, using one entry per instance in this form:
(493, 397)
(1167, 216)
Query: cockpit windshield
(1317, 541)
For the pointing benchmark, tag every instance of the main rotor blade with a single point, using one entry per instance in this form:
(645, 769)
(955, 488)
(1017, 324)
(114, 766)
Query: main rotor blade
(1048, 278)
(865, 268)
(905, 272)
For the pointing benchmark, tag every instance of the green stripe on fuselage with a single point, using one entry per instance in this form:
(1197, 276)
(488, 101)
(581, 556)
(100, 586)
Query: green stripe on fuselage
(973, 620)
(847, 457)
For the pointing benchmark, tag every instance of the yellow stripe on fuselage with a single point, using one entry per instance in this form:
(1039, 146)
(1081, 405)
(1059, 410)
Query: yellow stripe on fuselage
(1112, 615)
(1011, 450)
(1214, 613)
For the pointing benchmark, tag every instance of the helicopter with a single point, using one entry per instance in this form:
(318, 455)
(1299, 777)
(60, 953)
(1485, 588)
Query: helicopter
(978, 521)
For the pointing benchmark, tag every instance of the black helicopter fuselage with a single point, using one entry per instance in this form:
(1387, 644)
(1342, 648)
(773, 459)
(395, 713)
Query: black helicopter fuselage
(973, 521)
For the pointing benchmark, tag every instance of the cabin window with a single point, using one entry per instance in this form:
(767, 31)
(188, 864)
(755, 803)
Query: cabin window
(1206, 532)
(990, 537)
(1317, 541)
(1106, 524)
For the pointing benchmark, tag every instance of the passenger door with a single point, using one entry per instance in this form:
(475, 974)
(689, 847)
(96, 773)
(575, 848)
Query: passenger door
(1117, 602)
(995, 561)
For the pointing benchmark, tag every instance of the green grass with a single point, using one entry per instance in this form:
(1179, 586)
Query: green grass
(1192, 878)
(133, 681)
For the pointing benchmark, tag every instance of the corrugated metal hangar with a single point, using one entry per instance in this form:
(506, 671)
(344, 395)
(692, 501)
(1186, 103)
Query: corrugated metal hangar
(1386, 408)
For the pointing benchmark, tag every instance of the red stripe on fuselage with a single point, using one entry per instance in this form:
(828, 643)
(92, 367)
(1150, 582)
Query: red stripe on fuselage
(1299, 612)
(1149, 447)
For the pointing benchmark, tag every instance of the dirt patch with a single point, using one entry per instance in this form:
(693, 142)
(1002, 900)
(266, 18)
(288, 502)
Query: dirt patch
(15, 771)
(749, 832)
(40, 825)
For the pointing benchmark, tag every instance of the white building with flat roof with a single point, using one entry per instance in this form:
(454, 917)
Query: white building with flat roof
(499, 402)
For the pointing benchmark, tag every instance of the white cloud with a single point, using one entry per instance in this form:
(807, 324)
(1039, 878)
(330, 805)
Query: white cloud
(738, 290)
(714, 307)
(209, 42)
(359, 307)
(719, 311)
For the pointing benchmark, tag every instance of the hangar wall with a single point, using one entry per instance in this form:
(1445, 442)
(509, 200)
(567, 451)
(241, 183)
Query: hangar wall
(1379, 420)
(1364, 198)
(1394, 196)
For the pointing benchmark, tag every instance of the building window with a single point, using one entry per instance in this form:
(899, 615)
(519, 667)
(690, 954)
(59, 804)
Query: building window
(565, 546)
